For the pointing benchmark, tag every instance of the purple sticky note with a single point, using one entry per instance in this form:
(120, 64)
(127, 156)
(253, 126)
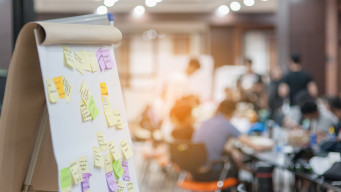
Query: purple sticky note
(85, 183)
(109, 62)
(111, 181)
(100, 59)
(125, 175)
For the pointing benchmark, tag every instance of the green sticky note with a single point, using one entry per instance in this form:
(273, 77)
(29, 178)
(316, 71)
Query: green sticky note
(65, 178)
(93, 108)
(118, 169)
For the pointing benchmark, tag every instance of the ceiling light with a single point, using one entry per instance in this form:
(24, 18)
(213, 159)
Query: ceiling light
(138, 11)
(249, 2)
(235, 6)
(102, 10)
(109, 3)
(150, 3)
(222, 10)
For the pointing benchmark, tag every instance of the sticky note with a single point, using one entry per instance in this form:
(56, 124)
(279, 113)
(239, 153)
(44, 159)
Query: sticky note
(118, 119)
(75, 172)
(118, 170)
(120, 186)
(111, 182)
(86, 182)
(86, 116)
(68, 57)
(68, 89)
(107, 163)
(106, 102)
(65, 179)
(125, 175)
(52, 92)
(92, 61)
(126, 149)
(93, 108)
(114, 150)
(130, 186)
(101, 141)
(83, 164)
(85, 93)
(111, 120)
(98, 159)
(104, 89)
(109, 62)
(58, 82)
(100, 60)
(82, 58)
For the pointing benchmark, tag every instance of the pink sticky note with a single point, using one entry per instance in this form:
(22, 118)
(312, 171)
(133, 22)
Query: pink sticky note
(85, 183)
(100, 59)
(125, 176)
(111, 182)
(109, 62)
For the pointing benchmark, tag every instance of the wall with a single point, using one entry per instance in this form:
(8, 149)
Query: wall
(5, 33)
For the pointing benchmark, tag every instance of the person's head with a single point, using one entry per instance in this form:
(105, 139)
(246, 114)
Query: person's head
(276, 74)
(181, 113)
(335, 106)
(295, 62)
(193, 66)
(309, 110)
(248, 64)
(227, 108)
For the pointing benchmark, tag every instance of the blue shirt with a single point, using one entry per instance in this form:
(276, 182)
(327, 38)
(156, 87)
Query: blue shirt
(214, 133)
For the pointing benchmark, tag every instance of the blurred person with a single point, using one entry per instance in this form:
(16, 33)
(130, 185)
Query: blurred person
(320, 121)
(182, 120)
(215, 133)
(335, 107)
(297, 80)
(274, 100)
(233, 95)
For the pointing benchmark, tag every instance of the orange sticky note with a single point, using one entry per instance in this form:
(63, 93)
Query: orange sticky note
(58, 81)
(104, 89)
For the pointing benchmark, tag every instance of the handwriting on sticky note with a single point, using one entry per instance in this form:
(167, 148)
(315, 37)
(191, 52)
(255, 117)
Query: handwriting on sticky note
(114, 150)
(75, 172)
(118, 119)
(85, 93)
(68, 57)
(85, 183)
(98, 158)
(52, 92)
(120, 186)
(86, 116)
(83, 164)
(58, 82)
(130, 186)
(106, 103)
(93, 108)
(111, 182)
(118, 170)
(104, 89)
(91, 57)
(110, 117)
(83, 59)
(104, 58)
(126, 149)
(65, 179)
(107, 163)
(101, 141)
(68, 89)
(125, 176)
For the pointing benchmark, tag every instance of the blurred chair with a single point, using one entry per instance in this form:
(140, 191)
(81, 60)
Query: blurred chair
(190, 157)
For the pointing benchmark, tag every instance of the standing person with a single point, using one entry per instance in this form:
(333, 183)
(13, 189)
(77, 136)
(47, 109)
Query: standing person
(296, 81)
(214, 133)
(274, 100)
(249, 80)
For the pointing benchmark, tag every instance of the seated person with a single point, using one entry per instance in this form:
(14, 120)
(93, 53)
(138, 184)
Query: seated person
(182, 121)
(335, 107)
(214, 133)
(319, 121)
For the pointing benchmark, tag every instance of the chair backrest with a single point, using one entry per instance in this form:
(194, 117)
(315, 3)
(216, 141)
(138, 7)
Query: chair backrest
(188, 156)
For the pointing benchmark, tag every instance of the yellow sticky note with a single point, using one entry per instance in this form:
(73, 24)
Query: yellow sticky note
(52, 92)
(118, 119)
(68, 89)
(106, 103)
(75, 172)
(130, 186)
(120, 186)
(101, 141)
(58, 82)
(83, 164)
(93, 61)
(126, 149)
(114, 151)
(86, 116)
(110, 117)
(98, 159)
(78, 64)
(85, 93)
(104, 89)
(82, 58)
(68, 57)
(107, 163)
